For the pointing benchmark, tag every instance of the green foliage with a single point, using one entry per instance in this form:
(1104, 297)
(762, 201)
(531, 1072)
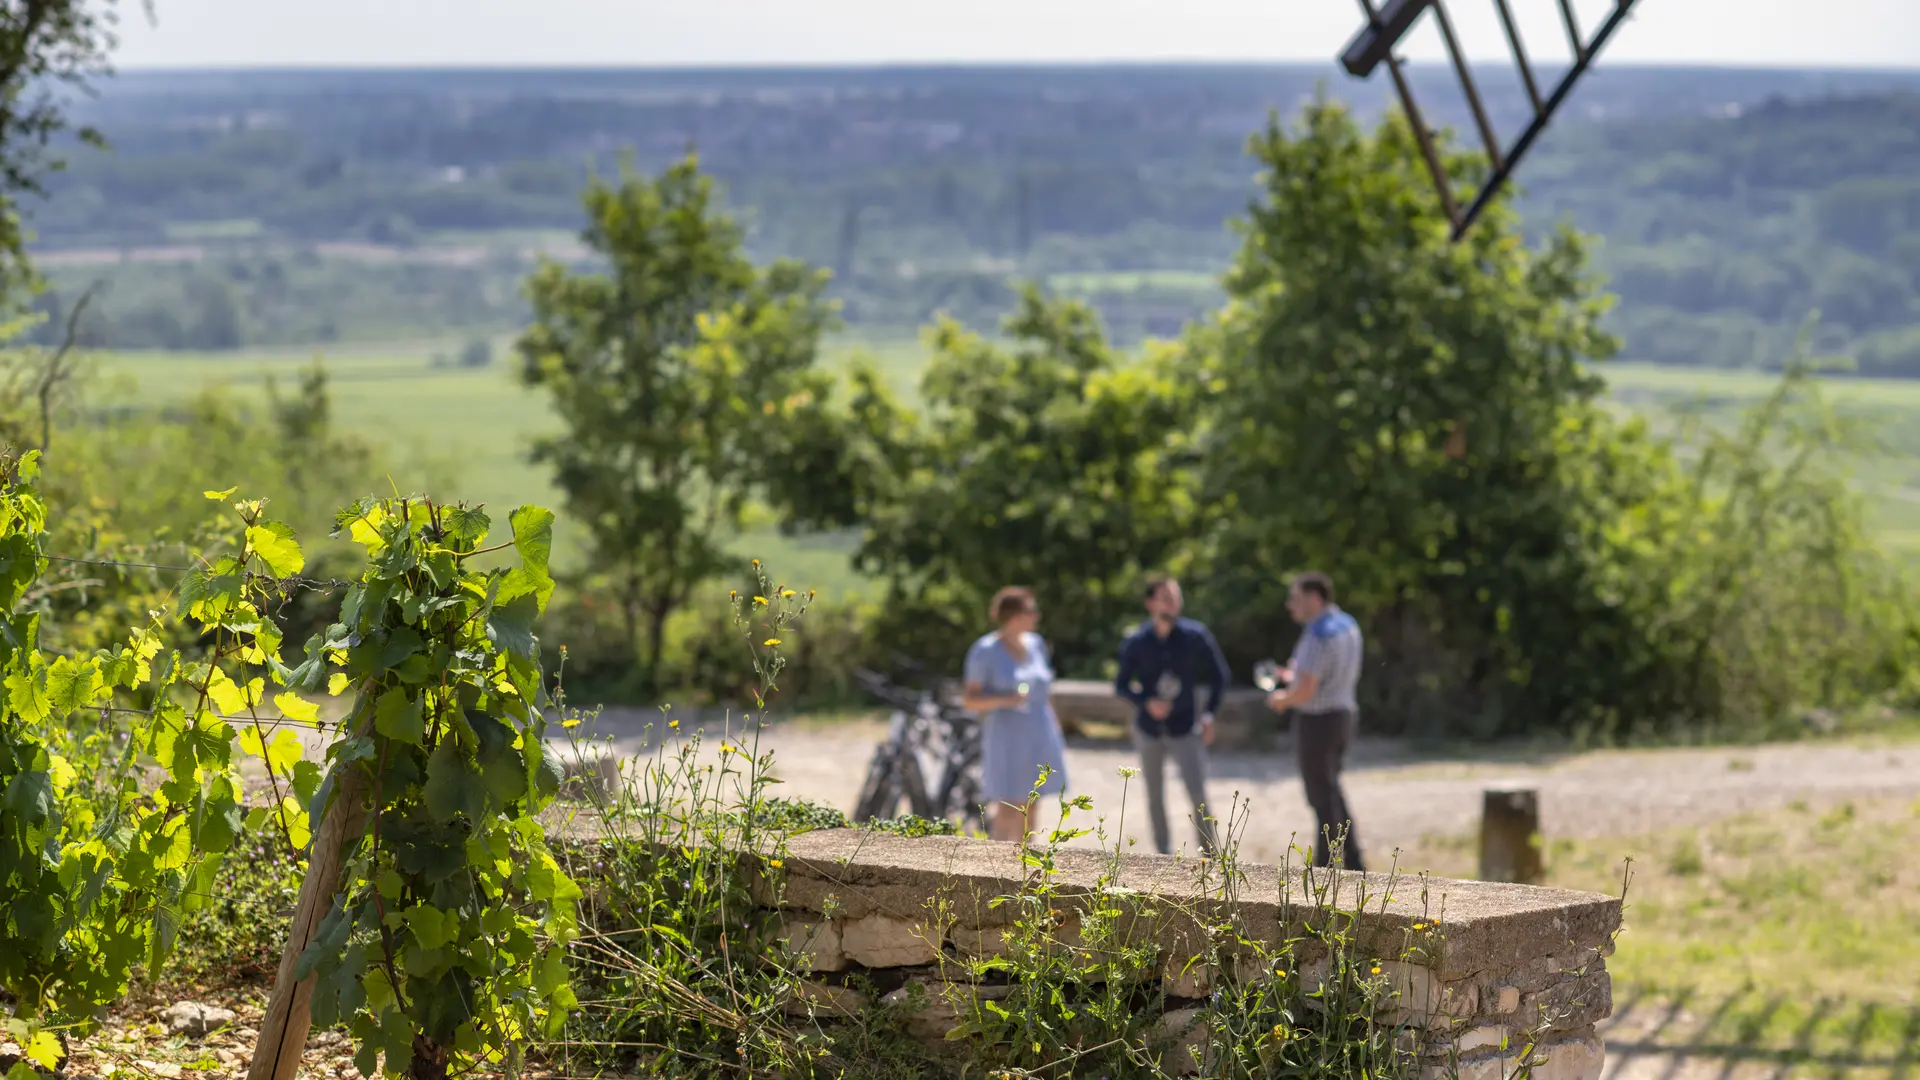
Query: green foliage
(445, 943)
(1418, 418)
(680, 375)
(115, 481)
(98, 864)
(47, 49)
(1413, 415)
(235, 938)
(1054, 461)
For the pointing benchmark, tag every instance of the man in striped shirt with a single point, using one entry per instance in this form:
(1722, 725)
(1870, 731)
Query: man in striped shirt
(1320, 679)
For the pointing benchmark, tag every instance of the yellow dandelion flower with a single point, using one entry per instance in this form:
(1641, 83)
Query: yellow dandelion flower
(675, 724)
(1279, 1031)
(570, 723)
(1376, 969)
(760, 600)
(787, 594)
(756, 562)
(776, 863)
(770, 642)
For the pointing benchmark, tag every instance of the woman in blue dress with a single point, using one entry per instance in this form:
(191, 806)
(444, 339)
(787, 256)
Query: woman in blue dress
(1010, 680)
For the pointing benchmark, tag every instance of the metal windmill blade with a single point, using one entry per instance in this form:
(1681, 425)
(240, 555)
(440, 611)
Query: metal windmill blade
(1387, 25)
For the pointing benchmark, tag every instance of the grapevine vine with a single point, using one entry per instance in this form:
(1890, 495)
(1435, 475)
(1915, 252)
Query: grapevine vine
(98, 864)
(443, 947)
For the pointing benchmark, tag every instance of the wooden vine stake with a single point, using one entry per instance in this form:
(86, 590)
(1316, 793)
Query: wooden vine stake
(283, 1032)
(1510, 835)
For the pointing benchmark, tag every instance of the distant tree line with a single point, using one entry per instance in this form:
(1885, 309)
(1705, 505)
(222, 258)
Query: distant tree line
(1722, 235)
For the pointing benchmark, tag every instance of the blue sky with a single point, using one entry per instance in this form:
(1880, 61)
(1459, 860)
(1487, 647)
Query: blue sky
(252, 33)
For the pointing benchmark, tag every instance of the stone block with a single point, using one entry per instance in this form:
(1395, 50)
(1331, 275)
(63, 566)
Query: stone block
(1184, 1039)
(978, 942)
(1484, 1037)
(813, 943)
(1506, 1000)
(1579, 1057)
(1184, 980)
(1569, 1005)
(1490, 1065)
(1418, 997)
(942, 1005)
(882, 941)
(810, 998)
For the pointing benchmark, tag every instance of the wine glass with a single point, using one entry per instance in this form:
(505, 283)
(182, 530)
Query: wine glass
(1266, 675)
(1168, 686)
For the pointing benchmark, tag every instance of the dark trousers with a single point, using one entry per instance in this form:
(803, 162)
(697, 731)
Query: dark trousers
(1321, 741)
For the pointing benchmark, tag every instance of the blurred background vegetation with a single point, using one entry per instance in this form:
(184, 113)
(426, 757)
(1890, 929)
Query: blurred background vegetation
(1744, 223)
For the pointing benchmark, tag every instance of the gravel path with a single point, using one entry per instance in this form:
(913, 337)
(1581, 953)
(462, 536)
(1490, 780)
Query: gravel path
(1398, 797)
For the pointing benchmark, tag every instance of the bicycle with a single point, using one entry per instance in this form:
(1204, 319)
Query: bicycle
(926, 725)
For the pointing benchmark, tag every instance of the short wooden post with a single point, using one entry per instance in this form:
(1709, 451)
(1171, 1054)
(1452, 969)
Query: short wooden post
(1510, 836)
(283, 1031)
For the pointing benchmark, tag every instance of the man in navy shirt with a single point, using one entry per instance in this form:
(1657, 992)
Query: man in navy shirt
(1161, 665)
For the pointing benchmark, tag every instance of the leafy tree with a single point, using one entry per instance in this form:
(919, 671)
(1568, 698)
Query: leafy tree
(1053, 461)
(45, 45)
(1420, 419)
(1416, 418)
(675, 374)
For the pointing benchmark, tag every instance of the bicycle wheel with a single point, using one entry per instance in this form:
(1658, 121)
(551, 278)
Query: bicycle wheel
(959, 794)
(894, 787)
(881, 791)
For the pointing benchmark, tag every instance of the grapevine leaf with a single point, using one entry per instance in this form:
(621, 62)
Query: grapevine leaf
(221, 825)
(72, 686)
(226, 696)
(274, 544)
(296, 708)
(30, 795)
(33, 918)
(306, 780)
(505, 778)
(317, 802)
(328, 938)
(533, 536)
(209, 593)
(280, 751)
(294, 819)
(61, 773)
(336, 683)
(396, 1033)
(440, 567)
(511, 625)
(220, 496)
(44, 1049)
(402, 643)
(450, 785)
(172, 849)
(432, 928)
(28, 695)
(546, 881)
(449, 1002)
(465, 525)
(398, 717)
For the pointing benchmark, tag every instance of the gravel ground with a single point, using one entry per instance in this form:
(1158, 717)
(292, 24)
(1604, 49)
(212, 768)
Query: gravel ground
(1398, 796)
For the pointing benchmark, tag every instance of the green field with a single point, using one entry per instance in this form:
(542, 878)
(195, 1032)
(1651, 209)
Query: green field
(464, 433)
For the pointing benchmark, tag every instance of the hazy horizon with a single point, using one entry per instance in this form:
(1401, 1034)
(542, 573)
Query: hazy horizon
(253, 34)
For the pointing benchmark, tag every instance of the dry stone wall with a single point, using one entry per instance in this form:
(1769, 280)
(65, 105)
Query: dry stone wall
(1494, 968)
